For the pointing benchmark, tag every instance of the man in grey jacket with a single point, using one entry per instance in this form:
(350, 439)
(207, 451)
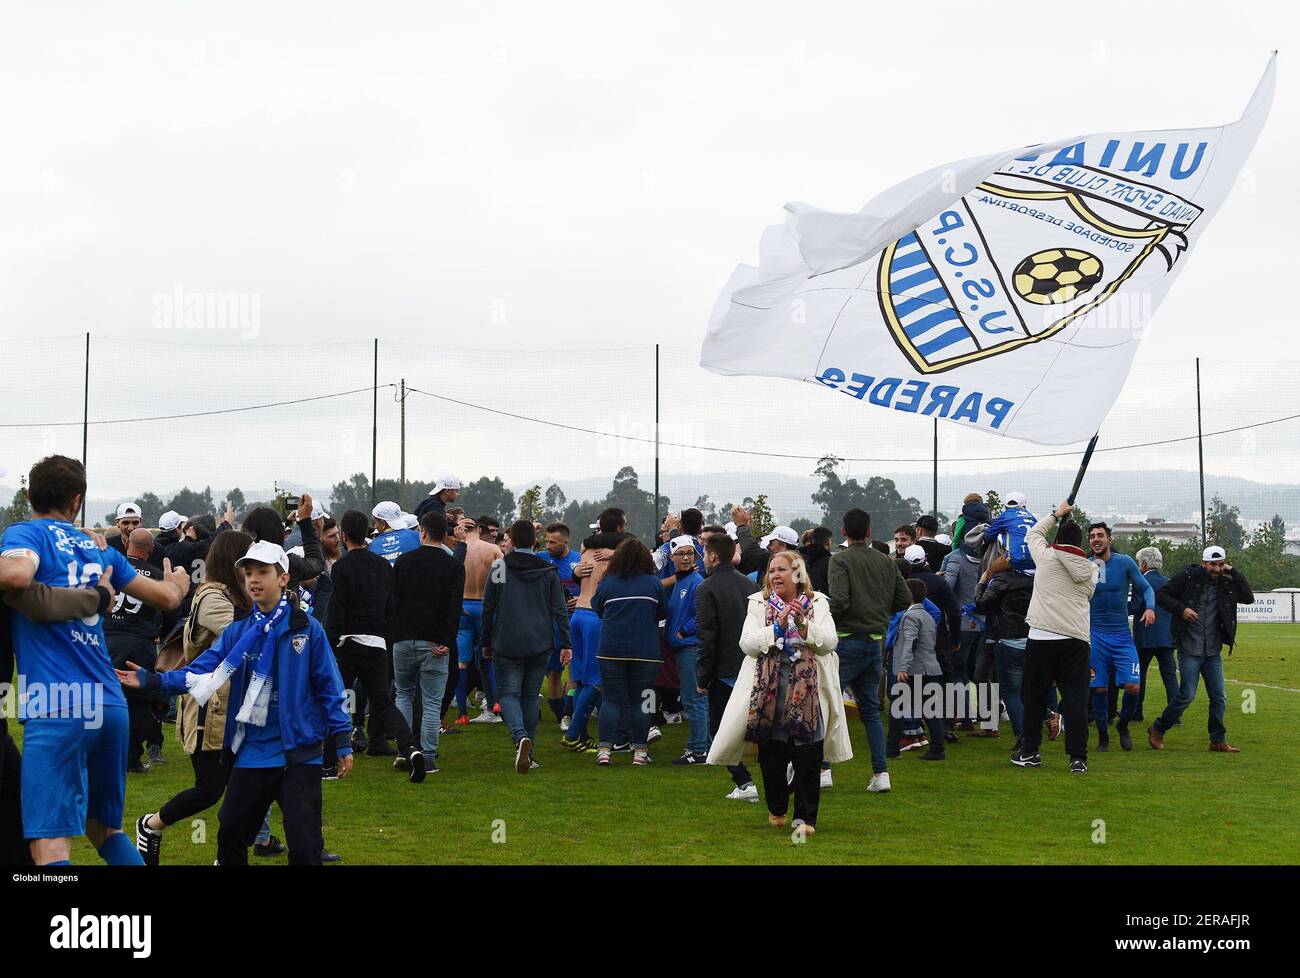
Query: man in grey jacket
(523, 612)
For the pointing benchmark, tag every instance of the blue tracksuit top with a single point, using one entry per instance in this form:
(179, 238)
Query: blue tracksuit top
(631, 609)
(1010, 528)
(1110, 599)
(681, 613)
(1161, 634)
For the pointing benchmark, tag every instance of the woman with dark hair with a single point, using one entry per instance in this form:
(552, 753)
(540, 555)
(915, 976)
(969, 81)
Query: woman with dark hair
(630, 602)
(218, 601)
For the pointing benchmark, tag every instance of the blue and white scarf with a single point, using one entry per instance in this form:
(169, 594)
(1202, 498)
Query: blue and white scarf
(258, 641)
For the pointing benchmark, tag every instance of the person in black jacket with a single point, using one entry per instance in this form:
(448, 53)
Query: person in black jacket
(428, 585)
(1203, 601)
(817, 558)
(1002, 597)
(359, 617)
(721, 604)
(524, 610)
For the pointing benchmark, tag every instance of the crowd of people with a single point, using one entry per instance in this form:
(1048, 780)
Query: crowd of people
(280, 647)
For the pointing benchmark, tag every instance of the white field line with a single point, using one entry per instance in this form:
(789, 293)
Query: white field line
(1285, 689)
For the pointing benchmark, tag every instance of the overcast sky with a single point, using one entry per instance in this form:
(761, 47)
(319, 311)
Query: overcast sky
(560, 176)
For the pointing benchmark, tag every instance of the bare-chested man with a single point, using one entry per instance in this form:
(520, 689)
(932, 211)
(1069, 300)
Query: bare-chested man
(480, 552)
(584, 628)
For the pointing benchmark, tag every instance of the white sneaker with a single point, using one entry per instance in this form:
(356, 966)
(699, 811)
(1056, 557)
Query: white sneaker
(655, 734)
(671, 718)
(1006, 717)
(533, 765)
(564, 724)
(487, 716)
(880, 782)
(789, 774)
(747, 793)
(826, 777)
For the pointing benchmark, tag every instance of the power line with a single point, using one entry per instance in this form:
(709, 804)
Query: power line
(846, 458)
(194, 414)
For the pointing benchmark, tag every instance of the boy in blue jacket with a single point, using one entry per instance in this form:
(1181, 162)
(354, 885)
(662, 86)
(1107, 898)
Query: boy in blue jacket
(286, 697)
(679, 633)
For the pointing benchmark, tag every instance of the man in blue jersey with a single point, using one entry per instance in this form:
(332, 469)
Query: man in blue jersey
(559, 555)
(1114, 655)
(1009, 529)
(395, 533)
(76, 729)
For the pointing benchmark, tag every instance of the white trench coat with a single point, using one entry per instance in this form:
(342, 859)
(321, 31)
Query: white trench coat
(755, 639)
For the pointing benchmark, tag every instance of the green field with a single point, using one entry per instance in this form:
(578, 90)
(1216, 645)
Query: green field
(1184, 805)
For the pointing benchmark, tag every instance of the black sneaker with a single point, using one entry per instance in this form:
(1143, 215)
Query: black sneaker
(1021, 759)
(892, 753)
(1125, 740)
(138, 767)
(690, 757)
(934, 755)
(329, 857)
(430, 766)
(1078, 766)
(155, 754)
(951, 737)
(359, 741)
(622, 748)
(329, 772)
(415, 760)
(1103, 745)
(271, 847)
(147, 842)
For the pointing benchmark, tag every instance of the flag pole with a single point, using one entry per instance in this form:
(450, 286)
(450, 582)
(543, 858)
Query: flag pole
(1083, 467)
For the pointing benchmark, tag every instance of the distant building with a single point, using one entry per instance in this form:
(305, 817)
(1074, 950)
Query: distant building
(1160, 529)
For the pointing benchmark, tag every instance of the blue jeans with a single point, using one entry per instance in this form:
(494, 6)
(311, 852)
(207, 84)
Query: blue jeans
(519, 687)
(415, 666)
(1011, 670)
(628, 686)
(1193, 668)
(861, 666)
(695, 706)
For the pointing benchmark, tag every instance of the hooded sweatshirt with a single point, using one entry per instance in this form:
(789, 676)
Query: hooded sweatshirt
(523, 607)
(818, 561)
(972, 514)
(1063, 584)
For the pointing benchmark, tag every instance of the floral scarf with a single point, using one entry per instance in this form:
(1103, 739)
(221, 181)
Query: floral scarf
(802, 711)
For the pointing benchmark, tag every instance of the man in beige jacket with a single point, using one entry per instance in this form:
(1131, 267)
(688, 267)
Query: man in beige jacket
(1059, 632)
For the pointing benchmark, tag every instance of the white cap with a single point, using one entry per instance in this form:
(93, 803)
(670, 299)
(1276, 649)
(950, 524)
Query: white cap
(915, 554)
(298, 551)
(944, 539)
(170, 520)
(681, 543)
(389, 512)
(266, 552)
(1015, 499)
(731, 530)
(444, 482)
(409, 522)
(1214, 553)
(128, 511)
(782, 533)
(318, 512)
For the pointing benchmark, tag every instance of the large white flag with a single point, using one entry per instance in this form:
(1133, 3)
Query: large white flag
(1008, 292)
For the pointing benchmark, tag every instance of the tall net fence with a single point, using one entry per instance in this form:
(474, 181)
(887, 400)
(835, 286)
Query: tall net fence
(254, 416)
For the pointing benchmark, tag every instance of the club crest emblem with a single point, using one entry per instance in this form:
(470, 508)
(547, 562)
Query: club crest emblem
(964, 286)
(299, 642)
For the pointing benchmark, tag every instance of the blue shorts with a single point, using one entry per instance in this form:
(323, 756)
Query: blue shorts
(1113, 655)
(72, 773)
(584, 634)
(470, 635)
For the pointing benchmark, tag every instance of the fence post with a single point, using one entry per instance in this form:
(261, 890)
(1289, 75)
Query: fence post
(374, 429)
(935, 511)
(85, 422)
(1200, 450)
(657, 521)
(402, 492)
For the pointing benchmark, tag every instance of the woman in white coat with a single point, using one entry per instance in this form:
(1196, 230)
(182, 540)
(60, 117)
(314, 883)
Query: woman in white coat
(787, 695)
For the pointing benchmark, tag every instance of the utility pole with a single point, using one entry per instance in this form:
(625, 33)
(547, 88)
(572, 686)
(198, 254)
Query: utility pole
(402, 494)
(1200, 450)
(657, 521)
(85, 422)
(374, 429)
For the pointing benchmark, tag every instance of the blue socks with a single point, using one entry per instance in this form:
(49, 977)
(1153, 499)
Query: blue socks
(118, 850)
(1101, 711)
(462, 690)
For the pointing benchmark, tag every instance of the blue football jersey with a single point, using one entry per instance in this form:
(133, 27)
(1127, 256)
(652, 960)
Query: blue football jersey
(391, 544)
(57, 653)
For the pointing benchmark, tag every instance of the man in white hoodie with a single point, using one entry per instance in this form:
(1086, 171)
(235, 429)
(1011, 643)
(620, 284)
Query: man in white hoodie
(1058, 649)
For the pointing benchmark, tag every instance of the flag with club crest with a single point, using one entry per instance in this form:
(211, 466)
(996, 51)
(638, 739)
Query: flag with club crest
(1007, 292)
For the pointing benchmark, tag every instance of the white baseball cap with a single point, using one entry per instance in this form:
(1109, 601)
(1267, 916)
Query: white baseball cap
(128, 511)
(444, 482)
(409, 521)
(915, 554)
(266, 552)
(1015, 499)
(298, 551)
(782, 533)
(944, 539)
(389, 512)
(170, 520)
(318, 512)
(681, 543)
(1214, 553)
